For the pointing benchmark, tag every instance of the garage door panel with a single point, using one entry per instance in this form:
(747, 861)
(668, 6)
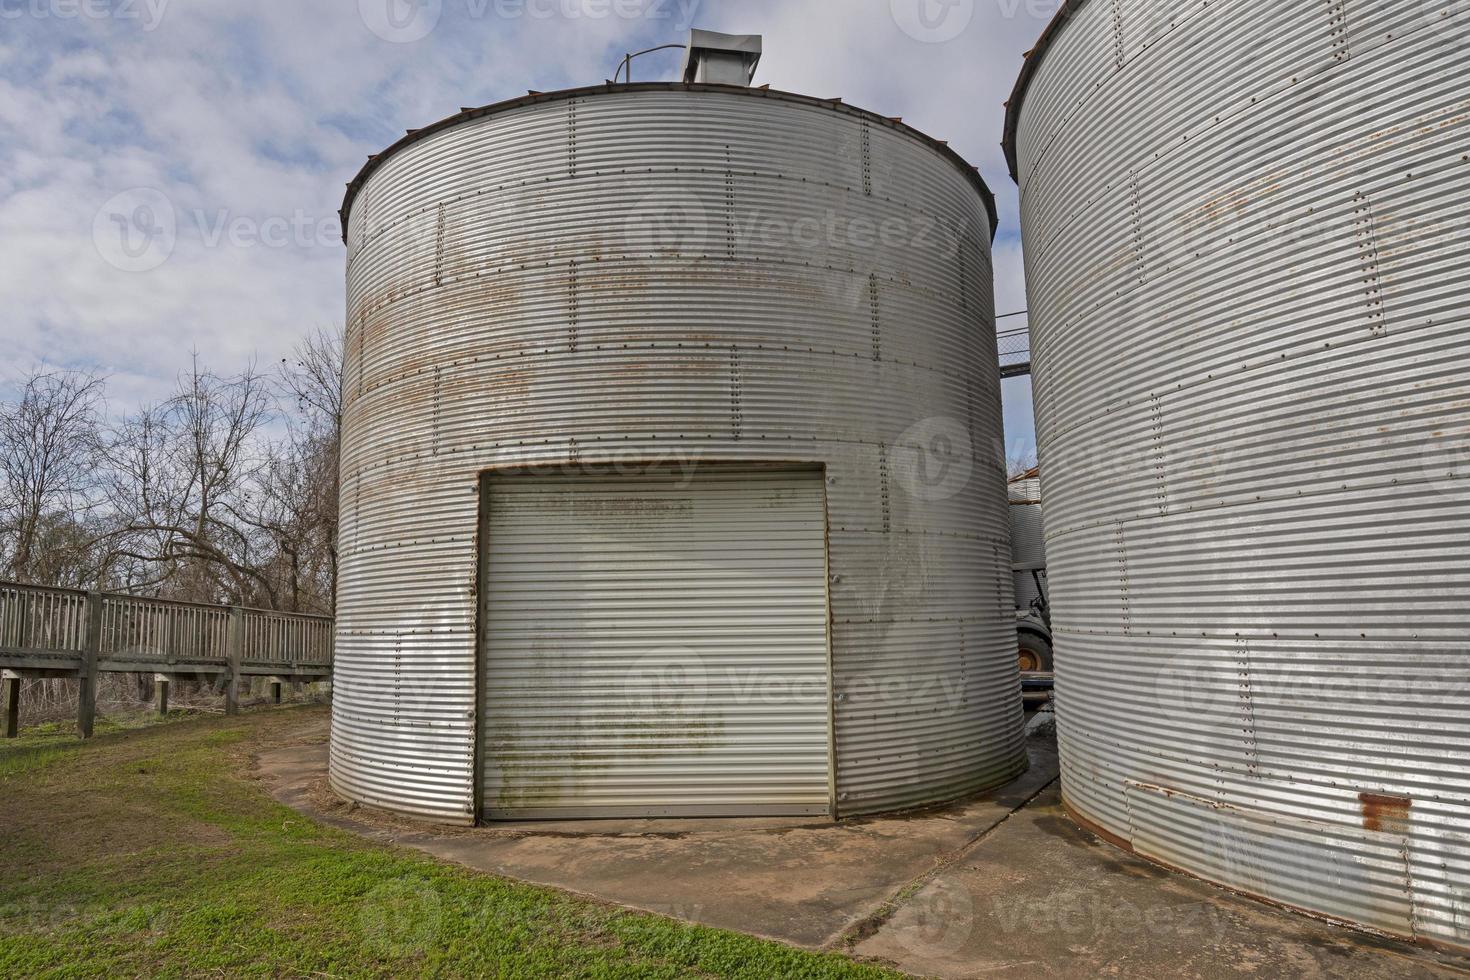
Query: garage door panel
(656, 645)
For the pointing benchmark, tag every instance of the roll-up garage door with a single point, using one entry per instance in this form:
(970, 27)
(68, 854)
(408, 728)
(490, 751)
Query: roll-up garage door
(655, 644)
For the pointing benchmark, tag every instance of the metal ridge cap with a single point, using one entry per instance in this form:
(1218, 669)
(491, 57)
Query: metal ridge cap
(1023, 81)
(971, 173)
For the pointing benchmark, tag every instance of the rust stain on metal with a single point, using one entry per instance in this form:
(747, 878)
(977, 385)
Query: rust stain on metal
(1385, 814)
(1121, 843)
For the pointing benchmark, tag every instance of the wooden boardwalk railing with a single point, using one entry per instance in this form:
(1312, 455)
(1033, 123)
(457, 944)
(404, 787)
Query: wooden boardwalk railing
(52, 632)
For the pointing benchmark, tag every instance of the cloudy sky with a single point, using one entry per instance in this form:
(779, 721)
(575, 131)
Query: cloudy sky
(234, 126)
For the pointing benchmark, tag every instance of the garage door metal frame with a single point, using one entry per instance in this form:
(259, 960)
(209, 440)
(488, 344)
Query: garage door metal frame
(625, 468)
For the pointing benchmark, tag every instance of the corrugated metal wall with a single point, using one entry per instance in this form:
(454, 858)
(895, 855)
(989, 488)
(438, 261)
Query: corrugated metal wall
(1249, 274)
(1028, 548)
(670, 275)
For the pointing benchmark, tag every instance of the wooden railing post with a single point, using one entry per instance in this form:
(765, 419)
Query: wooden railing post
(160, 693)
(12, 705)
(234, 655)
(87, 676)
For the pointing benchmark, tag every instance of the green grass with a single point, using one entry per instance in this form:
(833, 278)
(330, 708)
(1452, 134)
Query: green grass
(151, 852)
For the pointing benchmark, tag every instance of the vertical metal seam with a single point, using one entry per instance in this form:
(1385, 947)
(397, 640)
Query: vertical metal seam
(397, 677)
(439, 247)
(571, 137)
(1337, 30)
(1123, 577)
(883, 487)
(1247, 706)
(1120, 56)
(876, 316)
(482, 655)
(729, 206)
(1136, 210)
(361, 352)
(572, 305)
(1160, 465)
(438, 409)
(867, 160)
(1365, 228)
(735, 409)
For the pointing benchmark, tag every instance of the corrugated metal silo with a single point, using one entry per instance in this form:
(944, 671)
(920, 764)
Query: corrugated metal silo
(1028, 541)
(1249, 277)
(670, 476)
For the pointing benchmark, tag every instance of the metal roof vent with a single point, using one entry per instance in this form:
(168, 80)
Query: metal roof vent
(721, 59)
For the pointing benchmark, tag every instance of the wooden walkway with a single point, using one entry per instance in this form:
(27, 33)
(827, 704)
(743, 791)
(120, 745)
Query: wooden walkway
(51, 632)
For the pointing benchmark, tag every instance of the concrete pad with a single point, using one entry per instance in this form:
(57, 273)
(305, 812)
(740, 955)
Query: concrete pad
(1040, 897)
(800, 881)
(1004, 884)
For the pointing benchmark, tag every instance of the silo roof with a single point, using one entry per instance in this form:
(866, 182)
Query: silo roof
(531, 98)
(1028, 70)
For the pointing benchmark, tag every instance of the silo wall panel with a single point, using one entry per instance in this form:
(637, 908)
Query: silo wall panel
(1248, 246)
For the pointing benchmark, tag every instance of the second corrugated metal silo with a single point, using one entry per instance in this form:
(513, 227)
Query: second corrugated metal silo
(1028, 542)
(670, 471)
(1246, 242)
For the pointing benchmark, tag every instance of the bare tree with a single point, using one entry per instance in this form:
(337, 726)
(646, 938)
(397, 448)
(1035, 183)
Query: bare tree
(184, 472)
(49, 450)
(312, 377)
(1020, 461)
(302, 494)
(224, 492)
